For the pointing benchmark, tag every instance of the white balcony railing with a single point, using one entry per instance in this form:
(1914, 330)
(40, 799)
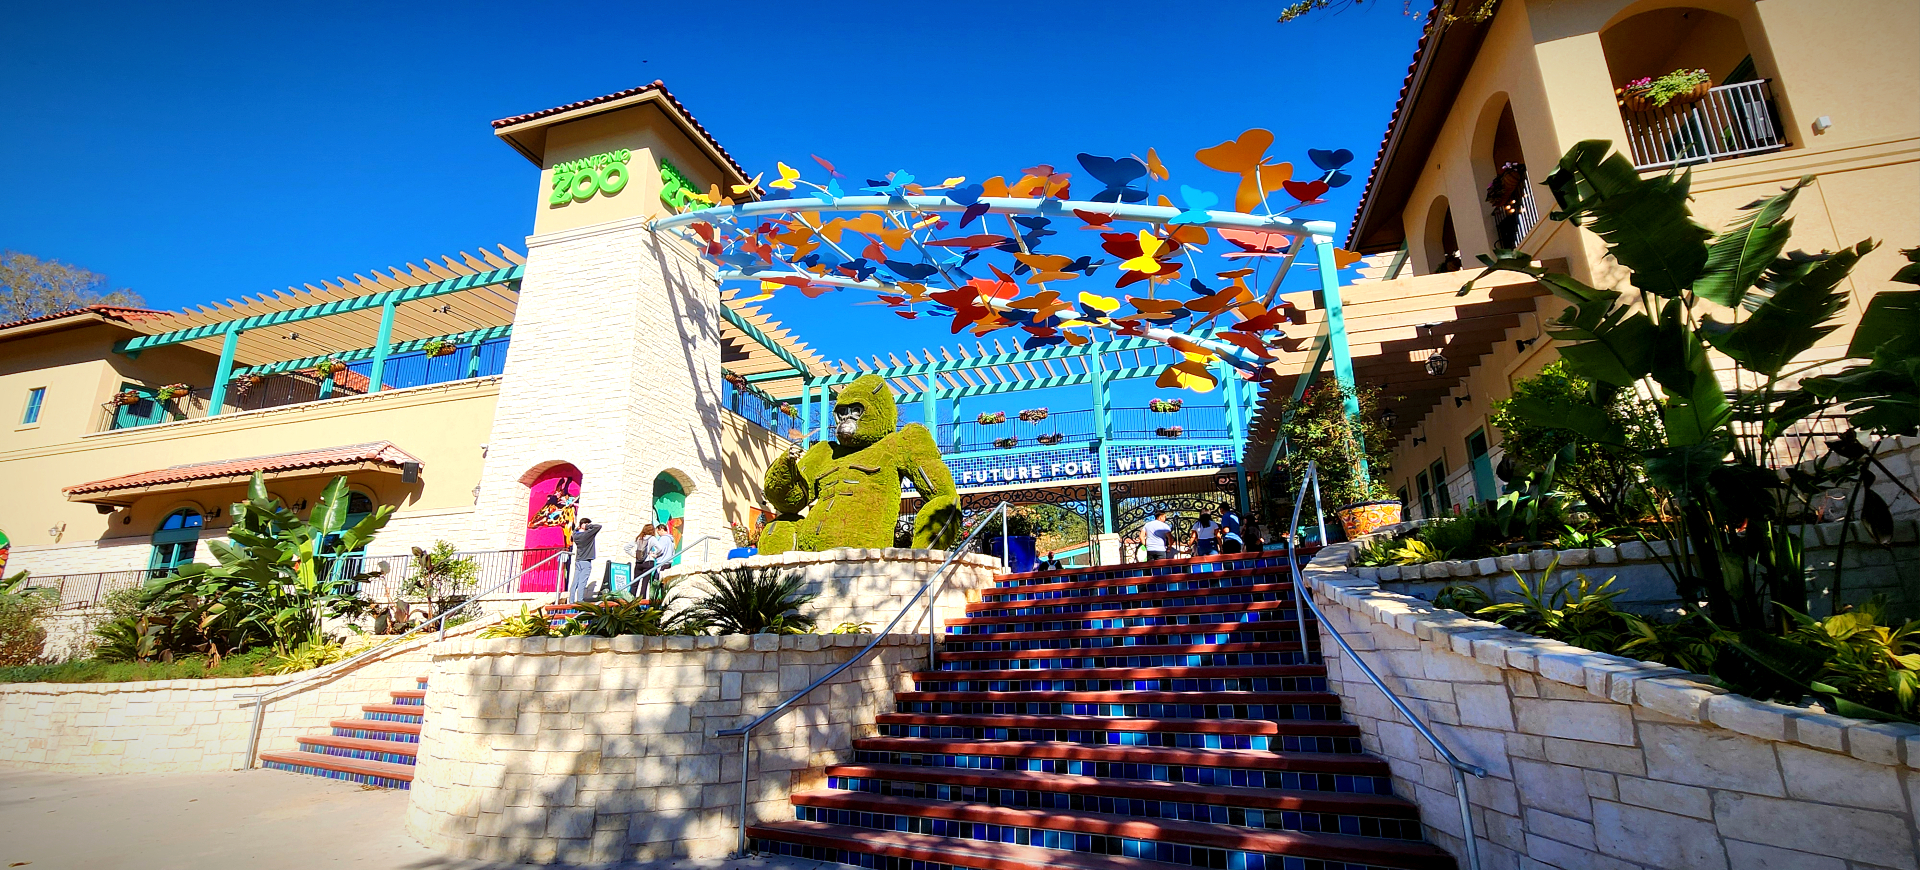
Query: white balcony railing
(1730, 121)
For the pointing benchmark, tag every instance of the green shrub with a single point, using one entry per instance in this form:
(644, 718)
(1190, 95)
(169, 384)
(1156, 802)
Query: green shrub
(526, 623)
(312, 654)
(23, 610)
(755, 601)
(248, 664)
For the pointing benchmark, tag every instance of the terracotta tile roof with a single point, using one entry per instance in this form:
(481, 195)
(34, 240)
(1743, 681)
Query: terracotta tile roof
(382, 452)
(655, 85)
(116, 312)
(1427, 33)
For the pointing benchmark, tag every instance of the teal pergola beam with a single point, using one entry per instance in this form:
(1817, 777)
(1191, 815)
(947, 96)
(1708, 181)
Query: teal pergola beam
(510, 275)
(781, 375)
(1337, 344)
(475, 337)
(382, 347)
(760, 338)
(224, 373)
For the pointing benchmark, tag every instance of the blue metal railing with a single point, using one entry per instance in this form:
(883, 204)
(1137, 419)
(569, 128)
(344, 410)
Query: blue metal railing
(1082, 427)
(759, 409)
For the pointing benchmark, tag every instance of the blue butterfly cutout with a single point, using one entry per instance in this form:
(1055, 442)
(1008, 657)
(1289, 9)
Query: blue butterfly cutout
(830, 194)
(1117, 174)
(1329, 160)
(912, 271)
(1198, 201)
(890, 186)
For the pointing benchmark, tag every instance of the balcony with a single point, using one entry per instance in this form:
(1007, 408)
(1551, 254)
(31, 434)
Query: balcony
(1730, 121)
(1081, 427)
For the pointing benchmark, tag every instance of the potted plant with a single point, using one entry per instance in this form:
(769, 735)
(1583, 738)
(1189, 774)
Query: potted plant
(990, 419)
(1004, 443)
(739, 381)
(1682, 86)
(244, 383)
(1317, 430)
(329, 366)
(439, 348)
(1033, 415)
(127, 397)
(1164, 406)
(1052, 438)
(1170, 431)
(788, 409)
(171, 392)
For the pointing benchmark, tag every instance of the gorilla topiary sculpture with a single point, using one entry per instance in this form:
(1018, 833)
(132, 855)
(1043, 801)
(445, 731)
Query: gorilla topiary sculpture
(853, 483)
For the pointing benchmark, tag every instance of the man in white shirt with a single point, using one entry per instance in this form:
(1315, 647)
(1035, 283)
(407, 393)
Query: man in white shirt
(1157, 535)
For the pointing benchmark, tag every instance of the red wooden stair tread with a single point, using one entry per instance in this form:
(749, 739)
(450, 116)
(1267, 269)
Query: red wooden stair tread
(1198, 696)
(391, 747)
(1315, 762)
(388, 726)
(1385, 806)
(1181, 610)
(389, 770)
(1102, 723)
(1297, 844)
(1120, 651)
(1123, 672)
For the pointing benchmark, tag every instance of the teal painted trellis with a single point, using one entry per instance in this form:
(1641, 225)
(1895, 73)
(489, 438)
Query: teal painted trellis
(387, 301)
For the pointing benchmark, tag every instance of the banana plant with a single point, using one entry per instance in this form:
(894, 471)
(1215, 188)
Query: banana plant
(280, 576)
(1695, 292)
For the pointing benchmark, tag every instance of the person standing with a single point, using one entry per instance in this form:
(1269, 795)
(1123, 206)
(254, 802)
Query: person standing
(1157, 535)
(660, 551)
(1205, 536)
(1232, 539)
(642, 563)
(1050, 563)
(583, 556)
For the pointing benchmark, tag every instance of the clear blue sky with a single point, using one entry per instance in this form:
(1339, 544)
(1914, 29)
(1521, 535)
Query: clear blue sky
(194, 152)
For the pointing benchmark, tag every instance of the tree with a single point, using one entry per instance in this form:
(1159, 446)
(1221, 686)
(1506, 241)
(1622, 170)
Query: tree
(1605, 475)
(1448, 12)
(30, 287)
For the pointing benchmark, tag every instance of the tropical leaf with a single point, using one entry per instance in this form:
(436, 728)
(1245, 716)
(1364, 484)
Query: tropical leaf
(330, 509)
(1644, 221)
(1743, 252)
(1891, 314)
(1589, 421)
(1607, 343)
(1798, 312)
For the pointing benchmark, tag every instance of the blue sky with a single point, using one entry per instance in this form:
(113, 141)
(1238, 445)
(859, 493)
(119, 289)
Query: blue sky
(200, 152)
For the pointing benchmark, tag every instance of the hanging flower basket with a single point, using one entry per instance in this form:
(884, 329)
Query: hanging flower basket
(1004, 443)
(171, 392)
(327, 367)
(1033, 415)
(990, 419)
(737, 380)
(243, 383)
(127, 397)
(788, 409)
(1164, 406)
(439, 348)
(1170, 431)
(1678, 89)
(1052, 438)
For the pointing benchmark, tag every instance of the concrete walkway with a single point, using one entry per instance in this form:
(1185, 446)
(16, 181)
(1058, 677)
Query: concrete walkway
(240, 820)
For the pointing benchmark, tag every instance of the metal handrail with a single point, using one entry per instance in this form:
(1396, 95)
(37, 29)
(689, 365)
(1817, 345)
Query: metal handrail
(745, 732)
(668, 562)
(261, 699)
(1302, 598)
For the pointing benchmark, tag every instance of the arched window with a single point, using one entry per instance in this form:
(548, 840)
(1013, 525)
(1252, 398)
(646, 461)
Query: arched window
(1442, 244)
(175, 541)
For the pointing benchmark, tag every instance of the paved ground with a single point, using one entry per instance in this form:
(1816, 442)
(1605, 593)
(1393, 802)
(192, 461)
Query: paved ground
(243, 820)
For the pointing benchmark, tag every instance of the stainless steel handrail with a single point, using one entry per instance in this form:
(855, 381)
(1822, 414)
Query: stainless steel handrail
(745, 732)
(1303, 598)
(261, 699)
(705, 554)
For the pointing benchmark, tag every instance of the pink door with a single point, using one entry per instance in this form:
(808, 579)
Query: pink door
(551, 507)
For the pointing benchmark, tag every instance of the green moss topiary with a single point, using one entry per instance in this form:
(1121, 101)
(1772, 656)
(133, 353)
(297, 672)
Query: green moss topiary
(850, 488)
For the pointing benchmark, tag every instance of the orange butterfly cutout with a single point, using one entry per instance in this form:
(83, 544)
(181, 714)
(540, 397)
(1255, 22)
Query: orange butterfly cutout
(1246, 156)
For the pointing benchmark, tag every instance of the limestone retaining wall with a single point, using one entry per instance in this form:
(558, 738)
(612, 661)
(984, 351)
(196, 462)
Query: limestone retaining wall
(599, 750)
(164, 726)
(866, 585)
(1598, 761)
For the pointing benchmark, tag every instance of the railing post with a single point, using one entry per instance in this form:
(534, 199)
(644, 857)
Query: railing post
(746, 758)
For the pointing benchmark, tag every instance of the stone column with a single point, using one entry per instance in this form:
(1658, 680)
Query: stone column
(615, 368)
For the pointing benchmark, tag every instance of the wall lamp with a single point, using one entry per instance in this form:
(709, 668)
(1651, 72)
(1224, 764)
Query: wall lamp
(1520, 344)
(1459, 401)
(1419, 441)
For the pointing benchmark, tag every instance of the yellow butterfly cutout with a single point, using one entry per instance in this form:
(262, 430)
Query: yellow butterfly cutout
(1150, 245)
(752, 185)
(788, 175)
(1188, 375)
(1103, 304)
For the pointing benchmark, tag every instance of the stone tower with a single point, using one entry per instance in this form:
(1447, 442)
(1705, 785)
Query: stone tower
(614, 366)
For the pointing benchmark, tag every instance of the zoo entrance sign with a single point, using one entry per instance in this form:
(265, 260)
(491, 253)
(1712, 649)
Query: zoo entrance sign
(1076, 463)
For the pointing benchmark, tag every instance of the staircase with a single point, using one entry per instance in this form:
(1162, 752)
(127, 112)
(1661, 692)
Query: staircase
(376, 749)
(1147, 718)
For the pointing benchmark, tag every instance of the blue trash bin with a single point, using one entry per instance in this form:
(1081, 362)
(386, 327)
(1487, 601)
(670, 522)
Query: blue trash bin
(1024, 557)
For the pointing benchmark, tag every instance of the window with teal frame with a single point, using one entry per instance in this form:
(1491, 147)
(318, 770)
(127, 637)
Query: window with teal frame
(32, 414)
(175, 541)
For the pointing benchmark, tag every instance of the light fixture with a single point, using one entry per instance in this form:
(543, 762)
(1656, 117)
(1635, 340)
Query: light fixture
(1461, 400)
(1419, 441)
(1436, 362)
(1520, 344)
(1389, 418)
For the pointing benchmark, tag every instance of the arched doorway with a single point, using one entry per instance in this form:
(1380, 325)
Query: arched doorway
(670, 506)
(175, 541)
(1442, 244)
(553, 501)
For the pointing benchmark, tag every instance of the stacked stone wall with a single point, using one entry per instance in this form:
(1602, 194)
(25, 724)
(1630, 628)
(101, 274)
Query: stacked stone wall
(601, 750)
(1598, 761)
(864, 586)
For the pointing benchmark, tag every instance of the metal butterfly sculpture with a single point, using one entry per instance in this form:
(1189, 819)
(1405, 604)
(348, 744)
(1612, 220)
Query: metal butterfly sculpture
(973, 252)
